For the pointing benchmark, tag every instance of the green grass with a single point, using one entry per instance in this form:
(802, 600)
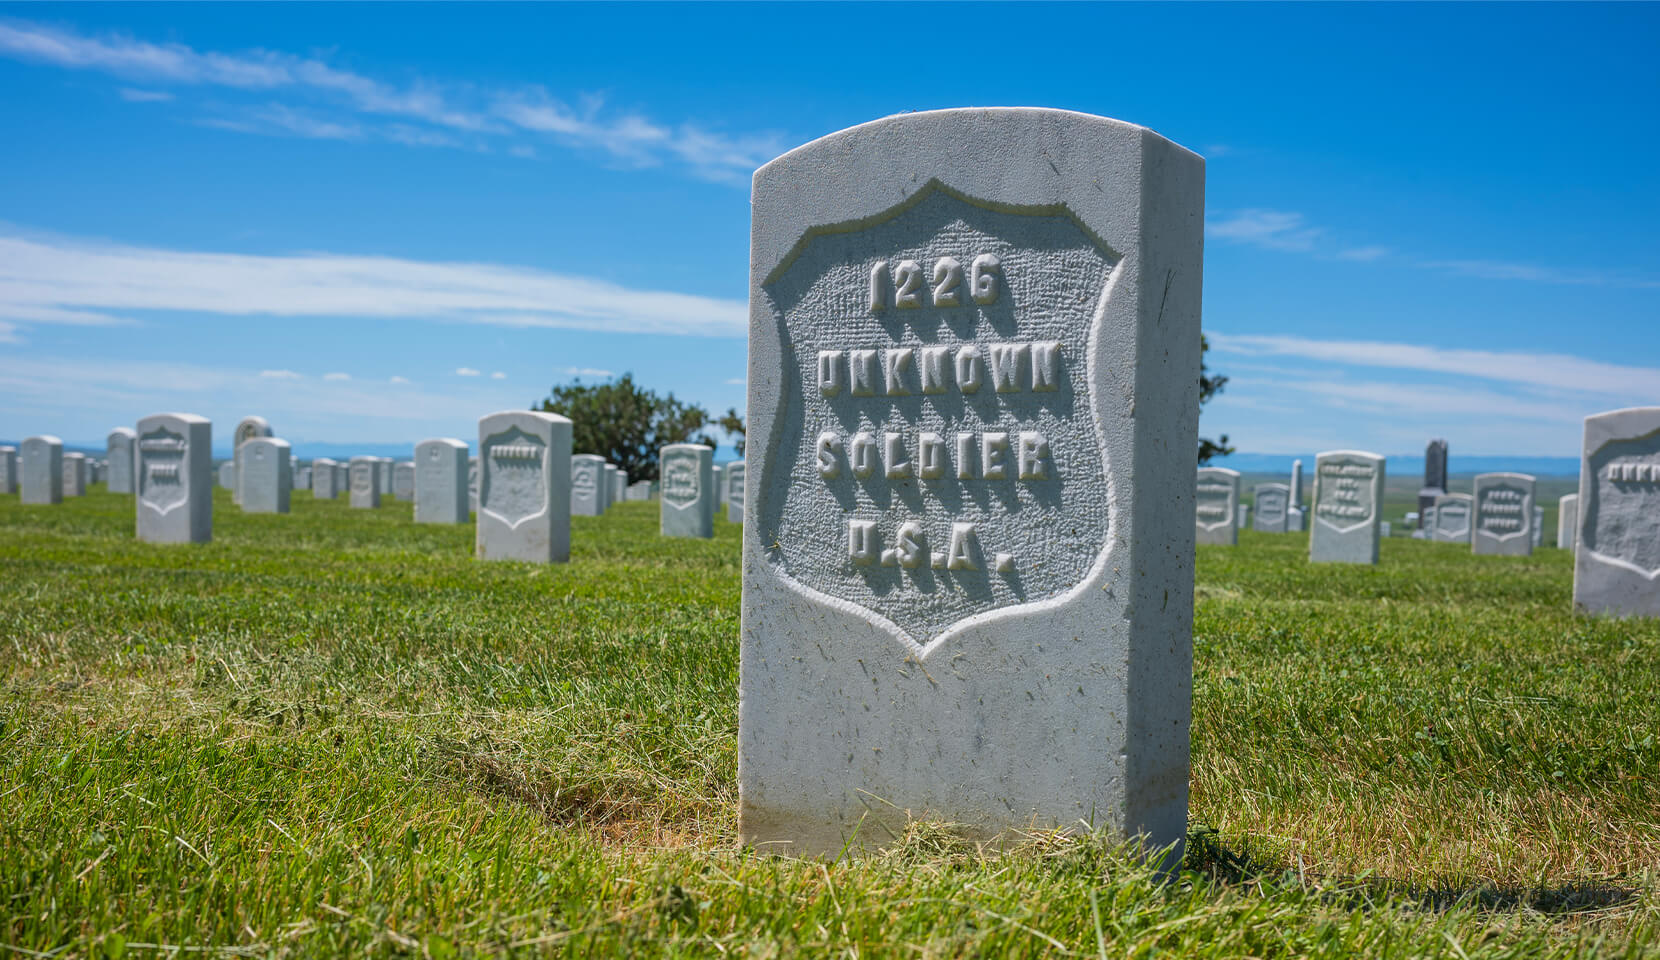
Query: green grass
(334, 732)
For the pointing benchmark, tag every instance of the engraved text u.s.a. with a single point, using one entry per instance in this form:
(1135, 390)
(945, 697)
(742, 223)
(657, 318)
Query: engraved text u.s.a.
(937, 459)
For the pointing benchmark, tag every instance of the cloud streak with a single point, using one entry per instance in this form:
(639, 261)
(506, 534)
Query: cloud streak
(83, 283)
(307, 97)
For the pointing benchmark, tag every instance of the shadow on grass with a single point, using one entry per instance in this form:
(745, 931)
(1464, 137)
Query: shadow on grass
(1209, 856)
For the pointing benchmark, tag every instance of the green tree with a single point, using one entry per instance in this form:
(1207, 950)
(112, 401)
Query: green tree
(625, 423)
(733, 424)
(1210, 384)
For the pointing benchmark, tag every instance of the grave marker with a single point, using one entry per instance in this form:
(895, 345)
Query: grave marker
(74, 474)
(247, 429)
(403, 480)
(441, 481)
(364, 483)
(1617, 553)
(1503, 524)
(174, 479)
(472, 484)
(619, 485)
(1567, 521)
(325, 479)
(974, 361)
(587, 485)
(8, 470)
(719, 474)
(1538, 526)
(227, 476)
(1272, 499)
(1294, 513)
(42, 470)
(1450, 518)
(1435, 474)
(267, 472)
(1215, 506)
(1348, 504)
(119, 450)
(688, 502)
(524, 487)
(1244, 516)
(735, 492)
(639, 490)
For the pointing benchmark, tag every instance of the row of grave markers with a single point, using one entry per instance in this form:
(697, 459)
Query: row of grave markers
(974, 356)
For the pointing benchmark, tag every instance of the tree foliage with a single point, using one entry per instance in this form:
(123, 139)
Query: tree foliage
(733, 423)
(1210, 384)
(626, 423)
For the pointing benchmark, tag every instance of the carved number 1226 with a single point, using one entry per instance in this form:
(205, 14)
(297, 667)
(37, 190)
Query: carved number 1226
(902, 286)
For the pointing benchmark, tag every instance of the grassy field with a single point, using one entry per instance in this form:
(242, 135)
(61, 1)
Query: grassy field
(334, 732)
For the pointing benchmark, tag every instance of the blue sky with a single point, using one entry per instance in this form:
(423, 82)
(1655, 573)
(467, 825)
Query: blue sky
(371, 224)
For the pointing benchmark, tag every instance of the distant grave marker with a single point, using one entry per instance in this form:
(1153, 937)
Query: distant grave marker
(119, 449)
(247, 429)
(687, 504)
(325, 477)
(364, 482)
(74, 474)
(1216, 507)
(227, 476)
(524, 487)
(1450, 518)
(735, 492)
(174, 477)
(41, 479)
(588, 479)
(441, 481)
(1348, 507)
(1435, 474)
(1272, 500)
(1567, 521)
(8, 470)
(1503, 524)
(968, 547)
(267, 472)
(1617, 554)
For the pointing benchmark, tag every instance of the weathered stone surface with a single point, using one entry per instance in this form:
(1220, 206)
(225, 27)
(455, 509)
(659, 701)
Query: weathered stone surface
(735, 492)
(41, 470)
(1503, 524)
(174, 478)
(247, 429)
(8, 470)
(524, 487)
(1567, 521)
(1216, 507)
(267, 472)
(719, 472)
(441, 481)
(74, 475)
(1347, 507)
(1271, 502)
(325, 479)
(1617, 553)
(687, 504)
(119, 450)
(1435, 474)
(227, 476)
(1452, 518)
(302, 478)
(619, 485)
(969, 540)
(364, 482)
(588, 480)
(472, 484)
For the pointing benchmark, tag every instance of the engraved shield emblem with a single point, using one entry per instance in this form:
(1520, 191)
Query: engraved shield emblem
(938, 458)
(511, 486)
(1453, 519)
(1621, 507)
(162, 480)
(681, 481)
(1505, 511)
(1344, 500)
(1214, 509)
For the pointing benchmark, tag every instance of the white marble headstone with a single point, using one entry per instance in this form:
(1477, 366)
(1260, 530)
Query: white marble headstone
(619, 485)
(639, 490)
(1617, 552)
(364, 482)
(247, 429)
(1347, 507)
(687, 506)
(41, 470)
(267, 472)
(1244, 516)
(119, 450)
(1538, 527)
(968, 547)
(1271, 501)
(227, 476)
(719, 472)
(588, 480)
(74, 475)
(1503, 523)
(1567, 521)
(735, 491)
(441, 481)
(8, 470)
(174, 476)
(524, 487)
(1452, 518)
(403, 480)
(1216, 505)
(324, 479)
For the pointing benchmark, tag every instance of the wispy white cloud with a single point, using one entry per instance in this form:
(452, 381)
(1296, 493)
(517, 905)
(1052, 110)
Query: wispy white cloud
(1363, 254)
(1273, 229)
(337, 376)
(323, 101)
(737, 381)
(498, 375)
(1501, 270)
(1539, 370)
(588, 372)
(465, 372)
(279, 375)
(135, 95)
(398, 380)
(56, 280)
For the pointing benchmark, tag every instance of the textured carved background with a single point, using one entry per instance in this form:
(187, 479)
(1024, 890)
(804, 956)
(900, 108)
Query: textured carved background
(1623, 517)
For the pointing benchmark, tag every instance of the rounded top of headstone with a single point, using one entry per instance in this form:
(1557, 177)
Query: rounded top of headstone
(268, 443)
(688, 446)
(1219, 471)
(177, 417)
(441, 442)
(127, 432)
(43, 438)
(1501, 475)
(510, 415)
(250, 427)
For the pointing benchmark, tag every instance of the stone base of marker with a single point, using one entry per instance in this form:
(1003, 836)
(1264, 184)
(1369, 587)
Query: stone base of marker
(933, 626)
(1503, 521)
(524, 487)
(1617, 551)
(1217, 503)
(1295, 520)
(174, 479)
(688, 501)
(1347, 507)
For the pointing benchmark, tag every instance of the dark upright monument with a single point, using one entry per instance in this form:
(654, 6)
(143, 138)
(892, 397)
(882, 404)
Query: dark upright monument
(1435, 476)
